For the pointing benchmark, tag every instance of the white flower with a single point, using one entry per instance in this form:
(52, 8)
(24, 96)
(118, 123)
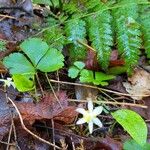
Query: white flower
(8, 82)
(90, 115)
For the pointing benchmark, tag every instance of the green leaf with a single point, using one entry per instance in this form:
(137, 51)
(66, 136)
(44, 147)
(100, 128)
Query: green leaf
(24, 83)
(35, 49)
(133, 145)
(51, 61)
(18, 64)
(133, 124)
(79, 64)
(117, 70)
(87, 76)
(73, 72)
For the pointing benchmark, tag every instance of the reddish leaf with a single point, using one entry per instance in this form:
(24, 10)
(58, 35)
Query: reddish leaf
(91, 61)
(114, 61)
(47, 108)
(67, 116)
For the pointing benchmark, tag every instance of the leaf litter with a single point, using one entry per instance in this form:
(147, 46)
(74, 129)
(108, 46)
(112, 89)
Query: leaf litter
(37, 116)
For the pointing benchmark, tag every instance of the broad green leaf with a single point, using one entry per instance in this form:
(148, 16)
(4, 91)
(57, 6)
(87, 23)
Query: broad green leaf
(133, 124)
(18, 64)
(73, 72)
(35, 49)
(98, 79)
(51, 61)
(79, 64)
(133, 145)
(24, 82)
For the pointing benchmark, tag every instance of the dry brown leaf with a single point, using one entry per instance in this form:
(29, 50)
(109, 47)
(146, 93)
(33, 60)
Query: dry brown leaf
(47, 108)
(67, 116)
(139, 84)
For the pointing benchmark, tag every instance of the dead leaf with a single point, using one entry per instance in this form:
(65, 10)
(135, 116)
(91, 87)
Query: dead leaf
(114, 60)
(67, 116)
(47, 108)
(91, 61)
(139, 84)
(93, 143)
(5, 113)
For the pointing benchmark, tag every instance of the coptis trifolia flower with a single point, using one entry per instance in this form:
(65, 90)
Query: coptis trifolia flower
(8, 82)
(90, 115)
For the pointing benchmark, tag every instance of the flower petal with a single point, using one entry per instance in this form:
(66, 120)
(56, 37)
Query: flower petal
(97, 122)
(81, 111)
(13, 84)
(80, 121)
(90, 127)
(97, 110)
(2, 80)
(90, 105)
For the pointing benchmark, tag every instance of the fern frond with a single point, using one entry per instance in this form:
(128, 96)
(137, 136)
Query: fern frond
(76, 31)
(100, 34)
(128, 33)
(100, 31)
(145, 27)
(54, 37)
(94, 5)
(70, 8)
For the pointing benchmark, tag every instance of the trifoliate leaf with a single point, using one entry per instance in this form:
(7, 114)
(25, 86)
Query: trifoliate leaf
(99, 78)
(133, 124)
(73, 72)
(24, 82)
(79, 64)
(51, 61)
(35, 49)
(18, 64)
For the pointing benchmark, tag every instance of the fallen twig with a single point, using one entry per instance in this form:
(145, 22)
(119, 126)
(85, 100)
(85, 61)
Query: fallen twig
(95, 87)
(108, 102)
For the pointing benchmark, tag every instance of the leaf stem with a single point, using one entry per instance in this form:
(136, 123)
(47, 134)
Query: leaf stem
(42, 91)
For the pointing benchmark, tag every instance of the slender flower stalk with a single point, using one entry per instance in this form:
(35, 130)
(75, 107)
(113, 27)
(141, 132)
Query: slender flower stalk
(90, 115)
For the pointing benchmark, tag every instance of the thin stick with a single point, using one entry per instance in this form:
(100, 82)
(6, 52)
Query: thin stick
(112, 103)
(9, 136)
(27, 130)
(53, 131)
(94, 87)
(53, 90)
(87, 46)
(7, 16)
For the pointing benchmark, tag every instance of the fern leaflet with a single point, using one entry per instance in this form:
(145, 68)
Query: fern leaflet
(128, 33)
(100, 33)
(145, 27)
(76, 31)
